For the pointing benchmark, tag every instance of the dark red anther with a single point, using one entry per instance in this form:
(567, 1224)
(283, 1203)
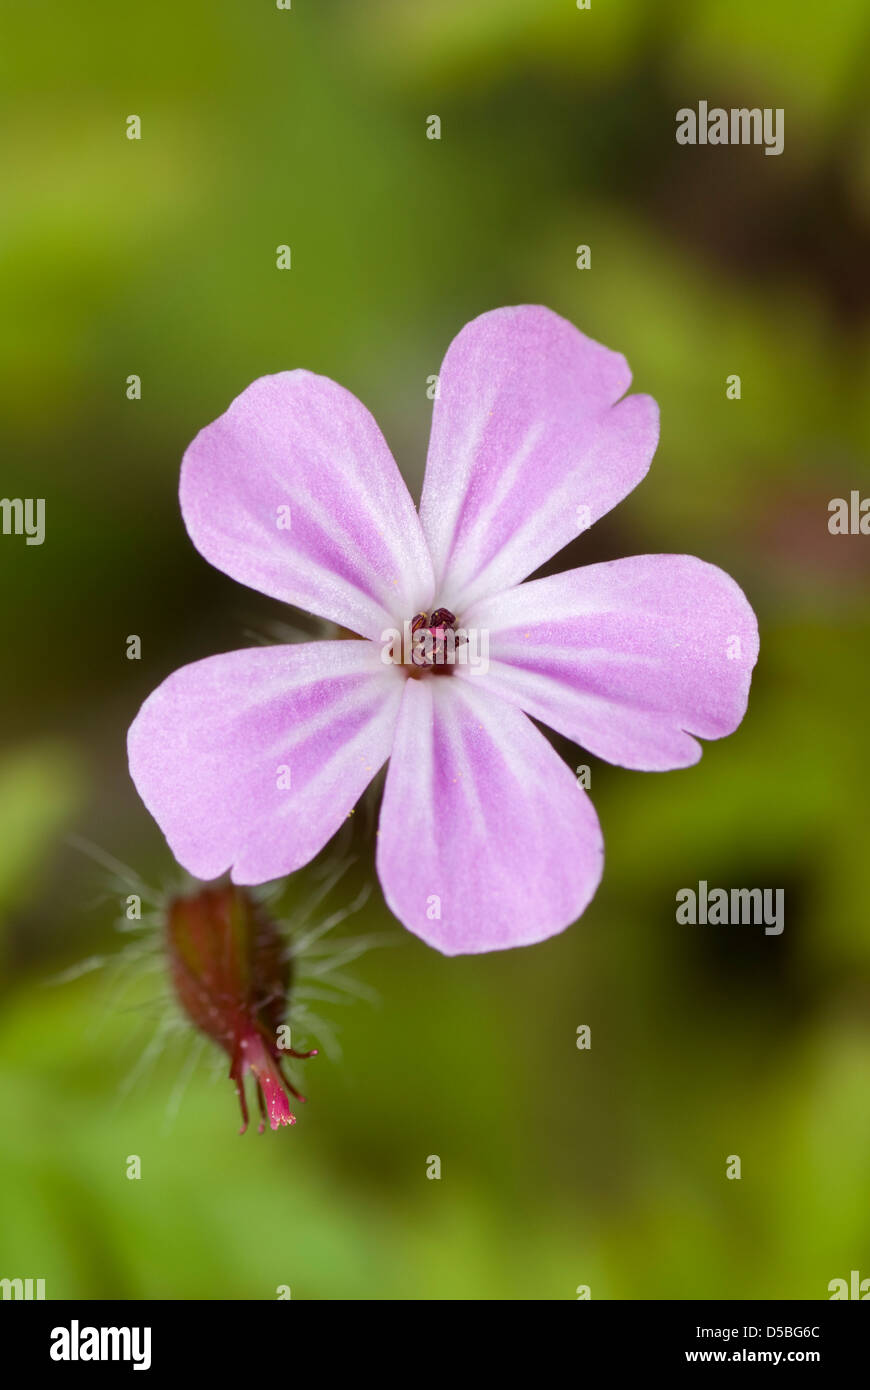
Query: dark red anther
(438, 650)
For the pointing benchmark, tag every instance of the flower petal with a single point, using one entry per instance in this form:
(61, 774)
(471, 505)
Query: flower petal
(528, 448)
(486, 840)
(208, 747)
(627, 658)
(297, 448)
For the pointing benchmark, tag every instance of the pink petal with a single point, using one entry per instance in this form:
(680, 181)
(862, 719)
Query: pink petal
(354, 551)
(207, 747)
(628, 658)
(528, 448)
(481, 823)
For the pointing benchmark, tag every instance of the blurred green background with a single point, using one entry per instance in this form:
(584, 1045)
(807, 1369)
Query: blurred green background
(307, 127)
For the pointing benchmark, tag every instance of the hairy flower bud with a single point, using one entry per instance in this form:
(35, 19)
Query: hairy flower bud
(232, 977)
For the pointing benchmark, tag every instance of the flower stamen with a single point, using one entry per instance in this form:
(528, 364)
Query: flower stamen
(434, 639)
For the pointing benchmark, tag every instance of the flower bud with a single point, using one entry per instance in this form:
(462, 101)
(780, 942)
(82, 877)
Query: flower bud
(232, 977)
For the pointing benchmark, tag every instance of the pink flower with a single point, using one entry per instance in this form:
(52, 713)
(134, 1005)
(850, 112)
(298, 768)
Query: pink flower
(252, 760)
